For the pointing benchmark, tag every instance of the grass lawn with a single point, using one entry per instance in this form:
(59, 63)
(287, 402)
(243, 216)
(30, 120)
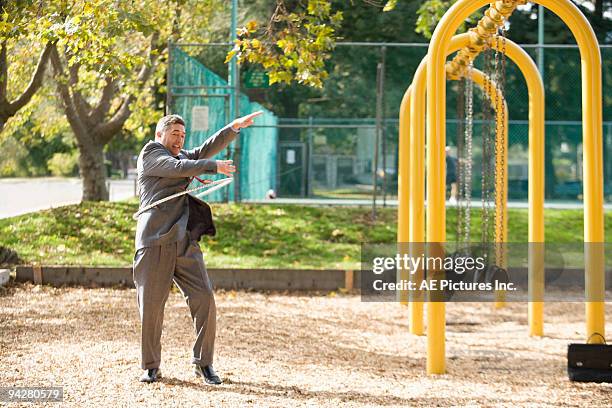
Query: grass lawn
(248, 236)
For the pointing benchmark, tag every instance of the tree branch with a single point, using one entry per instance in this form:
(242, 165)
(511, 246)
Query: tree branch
(3, 72)
(102, 107)
(72, 115)
(83, 108)
(105, 131)
(35, 83)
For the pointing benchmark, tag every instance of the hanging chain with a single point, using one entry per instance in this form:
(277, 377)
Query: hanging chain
(461, 113)
(484, 131)
(486, 155)
(493, 159)
(502, 142)
(466, 188)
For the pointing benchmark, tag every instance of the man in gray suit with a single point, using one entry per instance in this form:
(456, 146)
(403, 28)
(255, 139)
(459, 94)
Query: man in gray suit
(167, 238)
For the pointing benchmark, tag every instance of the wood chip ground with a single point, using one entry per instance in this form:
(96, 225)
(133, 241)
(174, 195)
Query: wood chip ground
(288, 350)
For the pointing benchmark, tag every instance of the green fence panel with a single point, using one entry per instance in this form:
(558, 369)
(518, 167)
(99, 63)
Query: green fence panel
(196, 90)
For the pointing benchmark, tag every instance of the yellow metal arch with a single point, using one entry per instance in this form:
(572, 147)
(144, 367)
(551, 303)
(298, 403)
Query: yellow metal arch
(403, 217)
(593, 157)
(411, 193)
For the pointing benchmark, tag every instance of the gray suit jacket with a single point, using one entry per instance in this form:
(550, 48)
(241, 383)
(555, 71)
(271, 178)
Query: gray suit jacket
(160, 175)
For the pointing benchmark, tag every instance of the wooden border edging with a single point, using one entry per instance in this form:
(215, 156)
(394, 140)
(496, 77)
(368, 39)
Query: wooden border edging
(236, 278)
(233, 278)
(37, 274)
(349, 277)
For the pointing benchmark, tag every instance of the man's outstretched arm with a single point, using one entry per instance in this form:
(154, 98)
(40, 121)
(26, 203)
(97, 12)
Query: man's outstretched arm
(220, 140)
(214, 144)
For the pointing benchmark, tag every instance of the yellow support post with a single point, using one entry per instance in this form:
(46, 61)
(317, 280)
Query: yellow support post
(535, 88)
(592, 162)
(417, 192)
(593, 167)
(406, 197)
(403, 198)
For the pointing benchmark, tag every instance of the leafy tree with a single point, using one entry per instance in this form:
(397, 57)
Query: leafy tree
(351, 73)
(98, 77)
(351, 88)
(284, 46)
(294, 44)
(105, 56)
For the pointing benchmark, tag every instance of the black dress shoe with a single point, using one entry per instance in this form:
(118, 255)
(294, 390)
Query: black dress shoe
(208, 374)
(151, 375)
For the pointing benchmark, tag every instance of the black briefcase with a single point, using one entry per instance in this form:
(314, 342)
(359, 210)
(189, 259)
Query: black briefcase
(589, 362)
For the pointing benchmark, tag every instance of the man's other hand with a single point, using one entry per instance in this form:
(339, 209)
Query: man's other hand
(245, 121)
(226, 167)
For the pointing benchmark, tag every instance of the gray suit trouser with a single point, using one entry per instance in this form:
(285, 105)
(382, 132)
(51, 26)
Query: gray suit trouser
(154, 270)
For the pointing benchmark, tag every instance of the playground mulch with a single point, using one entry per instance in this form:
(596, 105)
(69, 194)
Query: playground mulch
(288, 350)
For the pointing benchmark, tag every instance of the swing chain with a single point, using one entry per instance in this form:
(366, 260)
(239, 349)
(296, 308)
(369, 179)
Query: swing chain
(496, 135)
(502, 150)
(461, 116)
(467, 163)
(486, 153)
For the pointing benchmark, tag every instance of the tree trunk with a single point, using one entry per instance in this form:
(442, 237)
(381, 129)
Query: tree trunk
(599, 9)
(89, 124)
(93, 173)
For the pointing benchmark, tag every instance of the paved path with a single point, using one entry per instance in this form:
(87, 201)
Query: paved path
(393, 203)
(24, 195)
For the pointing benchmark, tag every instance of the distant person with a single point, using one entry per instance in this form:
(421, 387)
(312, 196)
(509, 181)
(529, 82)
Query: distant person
(451, 175)
(167, 238)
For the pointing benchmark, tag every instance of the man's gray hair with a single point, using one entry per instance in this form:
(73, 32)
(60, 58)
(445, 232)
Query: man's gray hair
(167, 121)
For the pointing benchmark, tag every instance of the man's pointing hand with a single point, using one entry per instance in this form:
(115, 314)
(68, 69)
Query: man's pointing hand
(245, 121)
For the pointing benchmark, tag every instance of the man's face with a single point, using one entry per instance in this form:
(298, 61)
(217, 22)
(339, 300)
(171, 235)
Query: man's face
(173, 138)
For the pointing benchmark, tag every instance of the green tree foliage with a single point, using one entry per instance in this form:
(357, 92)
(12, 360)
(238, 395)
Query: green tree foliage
(63, 164)
(284, 45)
(350, 87)
(99, 75)
(104, 47)
(294, 44)
(105, 56)
(25, 93)
(431, 11)
(21, 74)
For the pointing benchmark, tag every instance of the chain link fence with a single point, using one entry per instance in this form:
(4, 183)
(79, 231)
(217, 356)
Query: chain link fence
(342, 141)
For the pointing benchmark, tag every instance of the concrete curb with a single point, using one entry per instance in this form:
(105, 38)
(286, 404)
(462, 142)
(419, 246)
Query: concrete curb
(257, 279)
